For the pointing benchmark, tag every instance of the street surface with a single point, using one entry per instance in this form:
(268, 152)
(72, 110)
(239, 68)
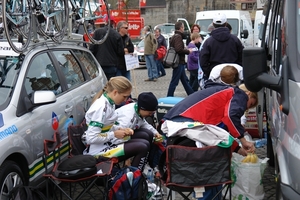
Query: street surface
(159, 89)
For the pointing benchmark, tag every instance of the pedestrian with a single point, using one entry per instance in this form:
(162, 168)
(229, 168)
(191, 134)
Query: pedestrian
(221, 47)
(149, 51)
(194, 29)
(193, 61)
(103, 136)
(109, 51)
(179, 72)
(161, 41)
(122, 28)
(201, 77)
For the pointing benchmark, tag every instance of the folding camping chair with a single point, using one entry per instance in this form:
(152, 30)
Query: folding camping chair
(191, 167)
(79, 172)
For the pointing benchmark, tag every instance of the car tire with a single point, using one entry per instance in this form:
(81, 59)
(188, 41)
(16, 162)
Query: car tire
(10, 176)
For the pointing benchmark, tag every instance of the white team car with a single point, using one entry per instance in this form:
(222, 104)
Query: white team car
(42, 91)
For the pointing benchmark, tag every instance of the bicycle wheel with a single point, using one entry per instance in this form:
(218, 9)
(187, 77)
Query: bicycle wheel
(94, 15)
(16, 17)
(52, 18)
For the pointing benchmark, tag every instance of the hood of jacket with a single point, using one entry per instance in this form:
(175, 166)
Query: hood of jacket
(221, 34)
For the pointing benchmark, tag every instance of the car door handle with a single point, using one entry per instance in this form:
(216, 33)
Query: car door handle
(68, 109)
(93, 94)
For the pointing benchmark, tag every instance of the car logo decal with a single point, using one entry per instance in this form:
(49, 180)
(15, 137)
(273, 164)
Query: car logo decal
(55, 121)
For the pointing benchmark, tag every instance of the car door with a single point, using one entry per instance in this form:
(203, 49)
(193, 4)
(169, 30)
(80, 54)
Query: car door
(42, 74)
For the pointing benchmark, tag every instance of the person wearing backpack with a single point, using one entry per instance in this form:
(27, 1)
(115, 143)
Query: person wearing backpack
(161, 43)
(104, 137)
(179, 72)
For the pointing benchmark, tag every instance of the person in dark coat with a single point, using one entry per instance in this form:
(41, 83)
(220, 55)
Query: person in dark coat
(161, 41)
(179, 72)
(109, 51)
(220, 47)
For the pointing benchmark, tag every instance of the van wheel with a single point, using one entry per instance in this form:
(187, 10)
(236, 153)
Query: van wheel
(270, 153)
(10, 176)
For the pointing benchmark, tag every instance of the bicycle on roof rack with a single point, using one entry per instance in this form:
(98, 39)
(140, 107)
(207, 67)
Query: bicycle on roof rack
(86, 13)
(24, 20)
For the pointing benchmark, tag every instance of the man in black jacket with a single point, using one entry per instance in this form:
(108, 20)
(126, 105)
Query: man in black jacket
(108, 52)
(221, 47)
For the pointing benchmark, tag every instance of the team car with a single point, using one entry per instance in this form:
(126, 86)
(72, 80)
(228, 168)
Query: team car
(42, 91)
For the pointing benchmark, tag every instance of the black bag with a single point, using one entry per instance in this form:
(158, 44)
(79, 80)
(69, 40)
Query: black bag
(22, 192)
(79, 166)
(171, 59)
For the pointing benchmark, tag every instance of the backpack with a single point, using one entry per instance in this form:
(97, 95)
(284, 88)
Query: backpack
(160, 53)
(171, 59)
(129, 183)
(22, 192)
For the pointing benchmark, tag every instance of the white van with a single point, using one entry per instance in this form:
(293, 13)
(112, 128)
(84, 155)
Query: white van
(240, 22)
(257, 25)
(273, 68)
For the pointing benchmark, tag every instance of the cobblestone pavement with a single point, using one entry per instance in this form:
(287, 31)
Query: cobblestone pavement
(159, 88)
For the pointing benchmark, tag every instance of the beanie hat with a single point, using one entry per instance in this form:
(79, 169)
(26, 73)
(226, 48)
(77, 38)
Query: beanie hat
(147, 101)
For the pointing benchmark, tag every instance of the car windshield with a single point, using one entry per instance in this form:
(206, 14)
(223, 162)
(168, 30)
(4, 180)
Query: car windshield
(166, 28)
(204, 23)
(8, 75)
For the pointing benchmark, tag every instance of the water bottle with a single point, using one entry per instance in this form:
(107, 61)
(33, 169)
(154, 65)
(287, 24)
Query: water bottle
(150, 176)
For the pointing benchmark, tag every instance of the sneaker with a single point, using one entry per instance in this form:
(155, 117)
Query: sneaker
(148, 79)
(155, 79)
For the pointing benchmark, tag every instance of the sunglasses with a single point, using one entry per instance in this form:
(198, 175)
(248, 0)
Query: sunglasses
(125, 27)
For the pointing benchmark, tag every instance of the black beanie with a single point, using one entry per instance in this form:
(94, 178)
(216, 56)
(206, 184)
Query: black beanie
(147, 101)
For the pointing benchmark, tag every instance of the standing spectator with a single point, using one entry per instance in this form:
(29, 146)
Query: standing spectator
(122, 28)
(195, 29)
(179, 72)
(193, 60)
(149, 51)
(221, 47)
(108, 52)
(161, 41)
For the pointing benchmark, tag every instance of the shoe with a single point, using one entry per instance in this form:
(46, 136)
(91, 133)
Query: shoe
(155, 79)
(161, 75)
(148, 79)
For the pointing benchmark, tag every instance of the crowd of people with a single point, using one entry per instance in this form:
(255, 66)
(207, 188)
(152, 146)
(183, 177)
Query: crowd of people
(214, 63)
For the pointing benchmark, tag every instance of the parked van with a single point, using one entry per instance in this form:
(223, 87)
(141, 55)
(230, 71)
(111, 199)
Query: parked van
(240, 22)
(274, 69)
(257, 25)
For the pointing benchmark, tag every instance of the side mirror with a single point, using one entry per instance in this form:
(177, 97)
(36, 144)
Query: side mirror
(244, 34)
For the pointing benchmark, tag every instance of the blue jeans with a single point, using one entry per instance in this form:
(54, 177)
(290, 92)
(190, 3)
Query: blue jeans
(179, 74)
(151, 67)
(109, 71)
(160, 68)
(124, 72)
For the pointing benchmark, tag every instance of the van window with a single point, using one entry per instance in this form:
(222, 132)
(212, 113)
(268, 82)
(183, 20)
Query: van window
(298, 29)
(204, 23)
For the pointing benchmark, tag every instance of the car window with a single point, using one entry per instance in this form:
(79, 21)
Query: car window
(88, 62)
(41, 75)
(70, 68)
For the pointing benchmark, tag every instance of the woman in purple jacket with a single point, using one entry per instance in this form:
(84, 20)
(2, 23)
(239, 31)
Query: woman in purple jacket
(193, 58)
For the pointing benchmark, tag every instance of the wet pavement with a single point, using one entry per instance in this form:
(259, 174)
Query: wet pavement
(159, 88)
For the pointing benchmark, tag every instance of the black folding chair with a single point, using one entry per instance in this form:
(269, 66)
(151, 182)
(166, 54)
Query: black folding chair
(79, 172)
(191, 167)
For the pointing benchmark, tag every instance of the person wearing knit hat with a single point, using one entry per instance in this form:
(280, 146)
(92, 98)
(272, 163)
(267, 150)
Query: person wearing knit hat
(147, 101)
(133, 115)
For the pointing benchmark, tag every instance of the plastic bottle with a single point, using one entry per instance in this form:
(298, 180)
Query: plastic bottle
(150, 176)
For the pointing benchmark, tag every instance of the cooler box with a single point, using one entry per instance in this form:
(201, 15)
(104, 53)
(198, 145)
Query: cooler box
(165, 104)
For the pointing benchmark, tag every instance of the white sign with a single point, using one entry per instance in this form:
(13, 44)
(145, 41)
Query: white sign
(6, 50)
(131, 61)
